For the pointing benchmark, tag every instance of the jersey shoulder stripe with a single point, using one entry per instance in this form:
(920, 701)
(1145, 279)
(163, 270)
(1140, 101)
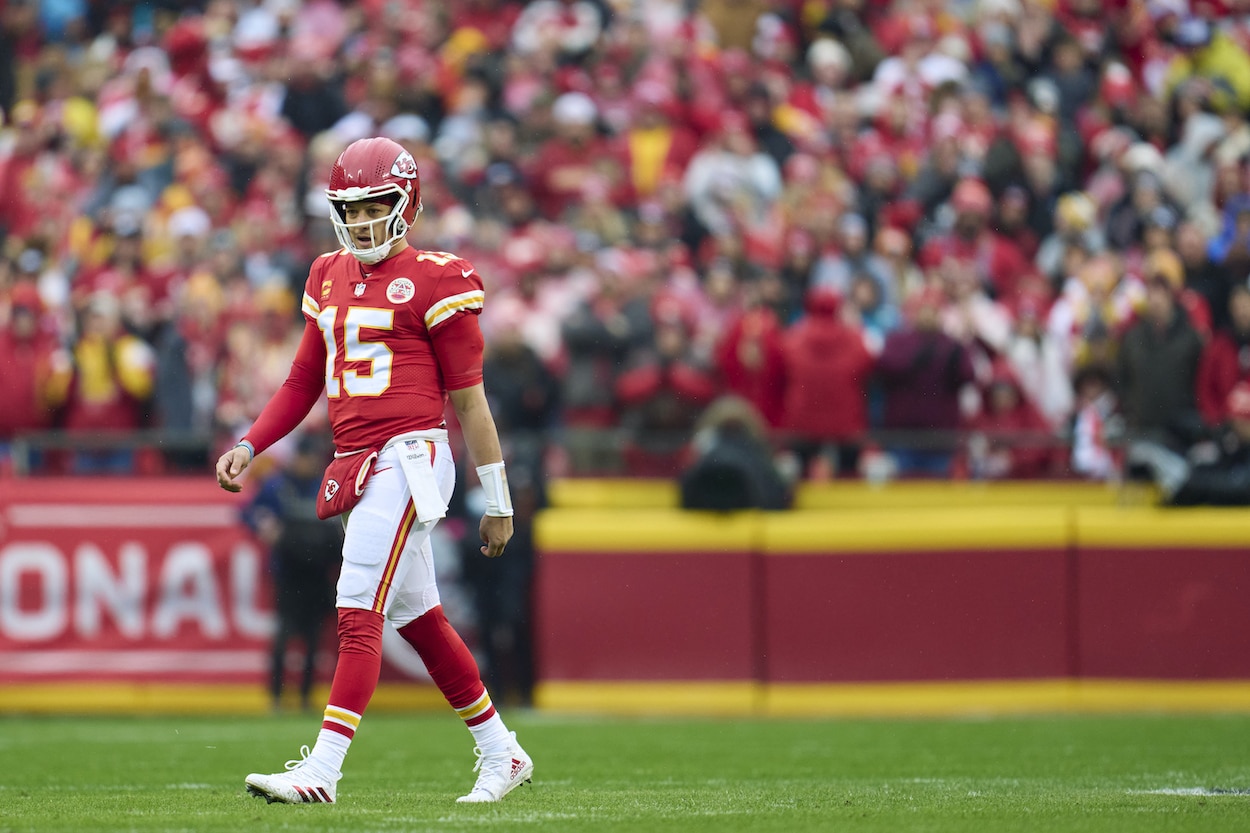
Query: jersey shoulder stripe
(453, 304)
(310, 307)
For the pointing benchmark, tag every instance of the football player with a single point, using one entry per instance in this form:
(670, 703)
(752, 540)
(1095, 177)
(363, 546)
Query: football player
(391, 333)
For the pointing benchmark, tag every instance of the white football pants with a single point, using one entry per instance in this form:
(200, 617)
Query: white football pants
(388, 564)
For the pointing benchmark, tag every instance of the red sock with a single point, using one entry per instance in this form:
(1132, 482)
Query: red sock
(451, 665)
(356, 675)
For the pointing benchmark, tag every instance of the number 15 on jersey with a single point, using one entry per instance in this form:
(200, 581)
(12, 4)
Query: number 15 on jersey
(381, 360)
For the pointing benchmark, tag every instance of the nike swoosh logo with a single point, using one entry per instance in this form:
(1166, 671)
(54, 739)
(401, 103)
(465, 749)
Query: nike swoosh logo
(464, 273)
(379, 471)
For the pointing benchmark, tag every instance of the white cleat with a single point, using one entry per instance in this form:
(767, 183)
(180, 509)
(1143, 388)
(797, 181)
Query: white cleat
(498, 775)
(302, 783)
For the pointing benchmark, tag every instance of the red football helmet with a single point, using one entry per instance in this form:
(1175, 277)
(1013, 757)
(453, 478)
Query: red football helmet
(374, 170)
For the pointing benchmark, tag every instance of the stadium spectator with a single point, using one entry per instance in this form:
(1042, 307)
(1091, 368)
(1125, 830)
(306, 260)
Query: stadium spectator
(969, 315)
(1225, 360)
(1157, 369)
(1210, 55)
(732, 186)
(922, 373)
(1037, 362)
(32, 359)
(1096, 306)
(1097, 424)
(503, 588)
(750, 359)
(942, 167)
(561, 30)
(1218, 478)
(759, 109)
(1015, 218)
(312, 97)
(574, 154)
(660, 396)
(1230, 248)
(1163, 262)
(1000, 264)
(1075, 228)
(827, 367)
(258, 347)
(1120, 127)
(109, 387)
(895, 247)
(304, 553)
(1145, 206)
(651, 142)
(1209, 279)
(599, 334)
(732, 465)
(31, 167)
(867, 310)
(1009, 439)
(852, 258)
(523, 392)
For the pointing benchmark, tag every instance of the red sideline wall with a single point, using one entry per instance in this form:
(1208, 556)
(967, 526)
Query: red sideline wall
(116, 579)
(149, 590)
(124, 594)
(880, 597)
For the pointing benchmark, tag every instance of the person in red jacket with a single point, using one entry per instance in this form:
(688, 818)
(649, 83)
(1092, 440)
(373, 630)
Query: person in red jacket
(999, 261)
(827, 367)
(660, 398)
(566, 160)
(29, 357)
(1225, 360)
(751, 361)
(1009, 439)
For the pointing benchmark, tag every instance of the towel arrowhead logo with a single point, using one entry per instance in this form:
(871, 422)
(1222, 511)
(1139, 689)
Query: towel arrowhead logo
(332, 489)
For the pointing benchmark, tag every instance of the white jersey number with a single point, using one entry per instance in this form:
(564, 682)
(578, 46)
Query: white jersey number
(380, 358)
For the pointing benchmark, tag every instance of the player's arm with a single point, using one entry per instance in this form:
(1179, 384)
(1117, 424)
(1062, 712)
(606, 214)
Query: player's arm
(458, 344)
(284, 411)
(482, 440)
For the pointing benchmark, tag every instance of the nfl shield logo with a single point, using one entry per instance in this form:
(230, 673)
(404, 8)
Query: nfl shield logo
(360, 289)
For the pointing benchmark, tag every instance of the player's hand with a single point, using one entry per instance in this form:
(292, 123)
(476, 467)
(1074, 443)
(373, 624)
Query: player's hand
(230, 465)
(495, 533)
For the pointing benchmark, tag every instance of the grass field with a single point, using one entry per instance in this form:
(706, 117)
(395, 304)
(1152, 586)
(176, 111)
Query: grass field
(403, 773)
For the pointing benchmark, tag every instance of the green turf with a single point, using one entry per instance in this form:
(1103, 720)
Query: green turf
(403, 773)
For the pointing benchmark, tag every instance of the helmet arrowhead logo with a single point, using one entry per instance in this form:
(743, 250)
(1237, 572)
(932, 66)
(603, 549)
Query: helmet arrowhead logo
(405, 166)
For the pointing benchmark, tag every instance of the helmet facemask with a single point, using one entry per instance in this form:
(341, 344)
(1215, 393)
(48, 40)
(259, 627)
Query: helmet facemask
(396, 227)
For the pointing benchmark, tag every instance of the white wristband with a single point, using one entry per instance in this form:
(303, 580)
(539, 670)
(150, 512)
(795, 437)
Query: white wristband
(495, 487)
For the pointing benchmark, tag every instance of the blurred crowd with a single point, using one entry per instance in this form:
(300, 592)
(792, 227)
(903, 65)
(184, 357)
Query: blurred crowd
(988, 238)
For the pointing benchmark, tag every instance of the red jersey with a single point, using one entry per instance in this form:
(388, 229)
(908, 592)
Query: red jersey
(386, 342)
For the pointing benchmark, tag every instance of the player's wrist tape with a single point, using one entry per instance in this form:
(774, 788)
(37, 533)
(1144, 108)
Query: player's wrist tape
(251, 449)
(495, 486)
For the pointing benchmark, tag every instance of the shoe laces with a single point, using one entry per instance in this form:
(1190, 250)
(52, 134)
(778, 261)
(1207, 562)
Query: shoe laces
(296, 763)
(496, 764)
